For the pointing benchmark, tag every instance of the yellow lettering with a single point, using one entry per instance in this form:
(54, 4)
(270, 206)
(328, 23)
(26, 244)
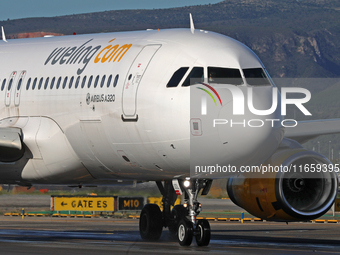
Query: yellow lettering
(111, 51)
(115, 52)
(120, 52)
(126, 203)
(136, 203)
(97, 59)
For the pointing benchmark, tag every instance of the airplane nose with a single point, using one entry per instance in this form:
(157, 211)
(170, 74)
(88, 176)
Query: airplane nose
(250, 138)
(254, 135)
(246, 138)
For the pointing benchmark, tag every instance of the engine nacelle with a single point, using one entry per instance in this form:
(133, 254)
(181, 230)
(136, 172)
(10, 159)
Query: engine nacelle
(287, 196)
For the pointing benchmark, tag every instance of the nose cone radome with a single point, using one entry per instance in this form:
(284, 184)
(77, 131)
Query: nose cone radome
(256, 134)
(243, 139)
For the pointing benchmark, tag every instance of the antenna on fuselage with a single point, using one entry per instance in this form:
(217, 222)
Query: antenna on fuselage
(3, 34)
(192, 26)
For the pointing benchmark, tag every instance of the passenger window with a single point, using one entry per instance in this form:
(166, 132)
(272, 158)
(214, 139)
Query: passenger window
(116, 81)
(177, 77)
(96, 81)
(40, 83)
(256, 77)
(90, 81)
(19, 84)
(52, 83)
(219, 75)
(103, 81)
(46, 83)
(71, 81)
(3, 85)
(28, 84)
(58, 83)
(196, 76)
(77, 82)
(10, 85)
(83, 83)
(109, 81)
(34, 83)
(65, 82)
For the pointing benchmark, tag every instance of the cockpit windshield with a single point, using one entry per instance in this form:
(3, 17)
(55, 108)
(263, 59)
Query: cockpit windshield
(196, 76)
(219, 75)
(256, 77)
(177, 77)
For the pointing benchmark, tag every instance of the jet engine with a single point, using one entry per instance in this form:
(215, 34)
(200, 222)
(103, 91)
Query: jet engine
(294, 184)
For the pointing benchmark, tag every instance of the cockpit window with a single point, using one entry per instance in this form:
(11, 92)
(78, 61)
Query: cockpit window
(177, 77)
(224, 76)
(256, 77)
(196, 75)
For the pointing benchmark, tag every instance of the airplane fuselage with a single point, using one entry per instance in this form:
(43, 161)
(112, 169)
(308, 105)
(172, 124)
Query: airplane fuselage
(100, 108)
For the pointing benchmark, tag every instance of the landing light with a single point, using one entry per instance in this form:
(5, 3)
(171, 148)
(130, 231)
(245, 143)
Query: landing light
(186, 183)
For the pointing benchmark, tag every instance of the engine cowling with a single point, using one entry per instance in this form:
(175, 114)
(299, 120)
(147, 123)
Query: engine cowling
(287, 196)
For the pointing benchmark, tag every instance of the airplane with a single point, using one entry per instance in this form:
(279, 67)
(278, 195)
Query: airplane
(132, 107)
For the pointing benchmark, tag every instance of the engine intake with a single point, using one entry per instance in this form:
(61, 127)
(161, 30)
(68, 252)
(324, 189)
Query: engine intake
(305, 192)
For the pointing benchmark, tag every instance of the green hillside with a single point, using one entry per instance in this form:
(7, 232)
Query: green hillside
(293, 38)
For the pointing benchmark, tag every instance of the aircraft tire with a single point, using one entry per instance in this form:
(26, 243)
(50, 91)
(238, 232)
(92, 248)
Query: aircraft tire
(204, 233)
(178, 212)
(150, 222)
(185, 232)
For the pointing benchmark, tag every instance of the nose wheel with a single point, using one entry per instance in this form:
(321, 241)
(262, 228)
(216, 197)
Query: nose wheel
(181, 221)
(185, 232)
(178, 213)
(203, 233)
(188, 226)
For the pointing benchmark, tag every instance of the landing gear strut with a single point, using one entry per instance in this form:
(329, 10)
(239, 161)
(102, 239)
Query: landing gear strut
(181, 220)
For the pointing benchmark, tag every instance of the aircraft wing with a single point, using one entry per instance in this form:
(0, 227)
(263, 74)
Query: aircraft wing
(307, 130)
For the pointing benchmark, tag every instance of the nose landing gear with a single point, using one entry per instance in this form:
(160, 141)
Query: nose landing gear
(181, 221)
(187, 228)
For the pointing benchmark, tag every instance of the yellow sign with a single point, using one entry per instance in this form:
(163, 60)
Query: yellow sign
(158, 201)
(337, 205)
(83, 203)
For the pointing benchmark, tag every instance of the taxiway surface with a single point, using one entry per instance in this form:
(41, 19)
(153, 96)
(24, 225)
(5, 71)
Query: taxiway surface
(120, 236)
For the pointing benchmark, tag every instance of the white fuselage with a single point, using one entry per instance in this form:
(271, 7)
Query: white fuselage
(132, 128)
